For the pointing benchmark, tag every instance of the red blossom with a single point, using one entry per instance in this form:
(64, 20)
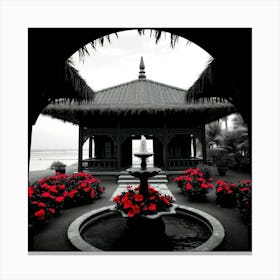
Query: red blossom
(188, 186)
(30, 191)
(117, 198)
(46, 194)
(244, 189)
(72, 193)
(41, 204)
(165, 200)
(127, 204)
(53, 189)
(204, 185)
(52, 210)
(40, 214)
(229, 191)
(92, 194)
(87, 189)
(66, 194)
(139, 197)
(59, 199)
(219, 189)
(152, 197)
(62, 187)
(152, 207)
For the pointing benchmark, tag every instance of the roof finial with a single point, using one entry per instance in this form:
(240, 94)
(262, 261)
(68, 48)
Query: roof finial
(142, 74)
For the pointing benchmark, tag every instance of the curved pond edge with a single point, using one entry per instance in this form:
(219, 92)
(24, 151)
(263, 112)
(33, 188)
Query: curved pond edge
(81, 223)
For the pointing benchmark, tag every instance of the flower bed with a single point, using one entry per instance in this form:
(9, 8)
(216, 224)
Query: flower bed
(132, 203)
(195, 184)
(48, 195)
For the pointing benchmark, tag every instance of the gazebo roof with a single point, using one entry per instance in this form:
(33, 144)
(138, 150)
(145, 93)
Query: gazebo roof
(139, 96)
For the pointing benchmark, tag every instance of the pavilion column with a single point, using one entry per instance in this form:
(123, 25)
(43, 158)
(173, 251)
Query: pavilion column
(165, 142)
(118, 140)
(203, 142)
(194, 146)
(90, 147)
(80, 151)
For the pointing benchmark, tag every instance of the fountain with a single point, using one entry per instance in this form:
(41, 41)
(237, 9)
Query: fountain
(181, 229)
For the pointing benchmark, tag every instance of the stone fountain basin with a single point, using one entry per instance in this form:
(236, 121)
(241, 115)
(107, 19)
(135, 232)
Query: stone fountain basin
(92, 218)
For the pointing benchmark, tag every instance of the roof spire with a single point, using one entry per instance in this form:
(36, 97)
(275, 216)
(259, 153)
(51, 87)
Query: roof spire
(142, 74)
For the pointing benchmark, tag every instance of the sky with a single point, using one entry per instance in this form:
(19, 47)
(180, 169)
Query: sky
(118, 62)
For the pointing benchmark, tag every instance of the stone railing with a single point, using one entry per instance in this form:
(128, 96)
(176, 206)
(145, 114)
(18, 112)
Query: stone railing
(183, 163)
(99, 164)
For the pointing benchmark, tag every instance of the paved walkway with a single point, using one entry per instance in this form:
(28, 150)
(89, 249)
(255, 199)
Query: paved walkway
(53, 236)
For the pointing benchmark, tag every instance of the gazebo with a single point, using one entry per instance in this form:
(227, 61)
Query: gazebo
(117, 115)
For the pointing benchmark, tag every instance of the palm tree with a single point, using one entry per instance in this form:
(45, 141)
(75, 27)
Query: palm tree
(214, 134)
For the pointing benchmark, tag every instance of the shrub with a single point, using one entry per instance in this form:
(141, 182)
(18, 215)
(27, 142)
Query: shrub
(226, 194)
(48, 195)
(194, 184)
(244, 199)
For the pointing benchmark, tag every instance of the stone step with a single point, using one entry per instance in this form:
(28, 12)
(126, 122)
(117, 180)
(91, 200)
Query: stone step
(135, 181)
(122, 177)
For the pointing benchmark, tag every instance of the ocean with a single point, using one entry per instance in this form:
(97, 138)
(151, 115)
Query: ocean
(41, 159)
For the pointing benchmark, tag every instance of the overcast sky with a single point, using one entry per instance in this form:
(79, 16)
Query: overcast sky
(118, 62)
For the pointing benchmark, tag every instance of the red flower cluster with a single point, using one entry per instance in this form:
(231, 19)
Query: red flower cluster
(50, 194)
(134, 203)
(226, 188)
(194, 183)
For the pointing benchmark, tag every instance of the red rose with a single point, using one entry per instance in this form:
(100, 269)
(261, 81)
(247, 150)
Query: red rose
(46, 194)
(40, 214)
(188, 186)
(244, 189)
(210, 186)
(165, 200)
(53, 189)
(52, 210)
(117, 199)
(153, 207)
(92, 194)
(210, 179)
(59, 199)
(66, 194)
(41, 204)
(72, 193)
(139, 197)
(204, 186)
(30, 191)
(87, 189)
(135, 209)
(62, 187)
(152, 197)
(219, 189)
(131, 214)
(229, 191)
(34, 202)
(200, 174)
(127, 204)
